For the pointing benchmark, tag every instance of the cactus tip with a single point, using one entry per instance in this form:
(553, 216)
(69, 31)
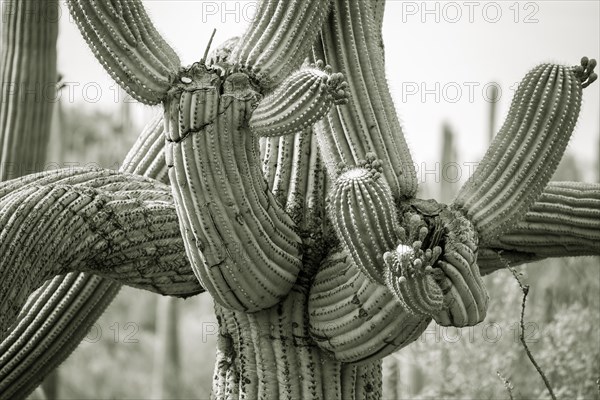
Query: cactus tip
(585, 72)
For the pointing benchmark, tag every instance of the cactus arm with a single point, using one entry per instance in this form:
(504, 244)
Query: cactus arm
(368, 123)
(526, 151)
(279, 38)
(27, 77)
(363, 215)
(50, 326)
(242, 244)
(58, 316)
(147, 155)
(565, 221)
(117, 225)
(299, 101)
(124, 40)
(356, 319)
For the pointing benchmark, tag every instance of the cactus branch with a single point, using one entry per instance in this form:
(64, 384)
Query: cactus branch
(125, 228)
(565, 221)
(301, 100)
(124, 40)
(526, 151)
(242, 244)
(279, 38)
(356, 319)
(58, 316)
(350, 43)
(363, 214)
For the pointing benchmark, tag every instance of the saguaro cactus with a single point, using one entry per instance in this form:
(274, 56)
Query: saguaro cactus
(308, 302)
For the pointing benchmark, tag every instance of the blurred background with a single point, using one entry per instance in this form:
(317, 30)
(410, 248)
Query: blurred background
(452, 68)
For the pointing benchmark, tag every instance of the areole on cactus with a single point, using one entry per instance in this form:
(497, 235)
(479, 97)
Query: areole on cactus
(290, 201)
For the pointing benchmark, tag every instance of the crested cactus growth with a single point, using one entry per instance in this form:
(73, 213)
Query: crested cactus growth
(125, 41)
(307, 305)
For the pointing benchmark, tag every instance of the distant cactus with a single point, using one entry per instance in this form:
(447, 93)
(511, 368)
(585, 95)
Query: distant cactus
(308, 301)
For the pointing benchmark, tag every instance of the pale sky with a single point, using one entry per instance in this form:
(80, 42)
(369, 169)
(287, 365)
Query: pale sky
(452, 50)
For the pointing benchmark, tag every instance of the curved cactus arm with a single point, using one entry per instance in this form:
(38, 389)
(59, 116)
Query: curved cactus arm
(565, 221)
(58, 316)
(147, 155)
(242, 245)
(124, 40)
(119, 226)
(354, 318)
(299, 101)
(27, 85)
(527, 150)
(368, 123)
(279, 38)
(50, 326)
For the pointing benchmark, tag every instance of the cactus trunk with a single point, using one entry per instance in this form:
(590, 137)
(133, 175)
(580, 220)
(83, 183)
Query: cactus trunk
(270, 355)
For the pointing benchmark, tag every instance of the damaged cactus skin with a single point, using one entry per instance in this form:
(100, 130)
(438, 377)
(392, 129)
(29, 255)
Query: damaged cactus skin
(269, 221)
